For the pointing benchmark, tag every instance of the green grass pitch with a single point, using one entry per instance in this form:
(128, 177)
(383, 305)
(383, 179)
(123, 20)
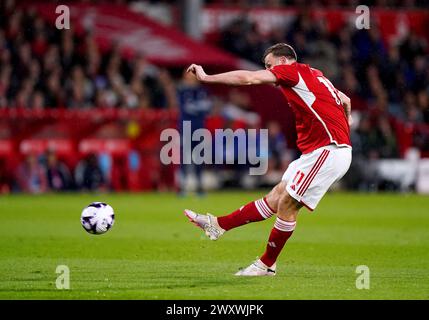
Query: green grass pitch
(153, 252)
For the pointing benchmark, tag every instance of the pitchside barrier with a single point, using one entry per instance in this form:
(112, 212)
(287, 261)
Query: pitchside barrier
(408, 174)
(129, 138)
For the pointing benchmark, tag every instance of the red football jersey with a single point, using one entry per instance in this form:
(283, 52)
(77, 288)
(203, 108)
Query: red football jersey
(320, 116)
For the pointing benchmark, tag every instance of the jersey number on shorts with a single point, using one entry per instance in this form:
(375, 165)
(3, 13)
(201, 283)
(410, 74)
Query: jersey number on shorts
(298, 178)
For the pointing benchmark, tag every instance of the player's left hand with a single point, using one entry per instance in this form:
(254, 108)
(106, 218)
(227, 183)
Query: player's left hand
(198, 71)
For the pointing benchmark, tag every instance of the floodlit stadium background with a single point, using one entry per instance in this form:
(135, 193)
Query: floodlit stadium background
(83, 108)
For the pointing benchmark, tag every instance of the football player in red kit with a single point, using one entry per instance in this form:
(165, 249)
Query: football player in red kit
(322, 123)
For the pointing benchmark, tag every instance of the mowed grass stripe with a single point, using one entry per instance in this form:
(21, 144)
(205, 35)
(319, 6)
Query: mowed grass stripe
(152, 252)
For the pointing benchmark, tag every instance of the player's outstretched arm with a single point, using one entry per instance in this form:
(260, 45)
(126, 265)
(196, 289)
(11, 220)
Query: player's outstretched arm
(238, 77)
(345, 100)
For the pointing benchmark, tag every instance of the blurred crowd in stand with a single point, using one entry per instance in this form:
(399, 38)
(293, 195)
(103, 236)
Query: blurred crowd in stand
(45, 68)
(43, 173)
(42, 67)
(278, 3)
(324, 3)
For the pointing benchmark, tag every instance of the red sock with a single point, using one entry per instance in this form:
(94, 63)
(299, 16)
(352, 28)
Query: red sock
(279, 235)
(254, 211)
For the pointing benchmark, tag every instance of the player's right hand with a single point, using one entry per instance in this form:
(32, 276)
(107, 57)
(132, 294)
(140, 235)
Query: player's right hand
(198, 71)
(191, 68)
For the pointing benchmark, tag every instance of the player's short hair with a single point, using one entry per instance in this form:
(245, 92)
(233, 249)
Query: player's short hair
(280, 50)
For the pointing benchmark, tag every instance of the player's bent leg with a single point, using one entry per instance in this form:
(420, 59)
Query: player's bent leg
(258, 210)
(207, 222)
(284, 226)
(254, 211)
(275, 194)
(288, 207)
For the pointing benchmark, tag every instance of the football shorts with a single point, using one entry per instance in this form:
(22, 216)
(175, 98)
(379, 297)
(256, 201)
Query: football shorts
(310, 176)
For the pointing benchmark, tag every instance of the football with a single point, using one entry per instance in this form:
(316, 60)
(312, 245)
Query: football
(97, 218)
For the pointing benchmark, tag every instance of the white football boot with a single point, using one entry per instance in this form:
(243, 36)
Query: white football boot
(207, 222)
(257, 268)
